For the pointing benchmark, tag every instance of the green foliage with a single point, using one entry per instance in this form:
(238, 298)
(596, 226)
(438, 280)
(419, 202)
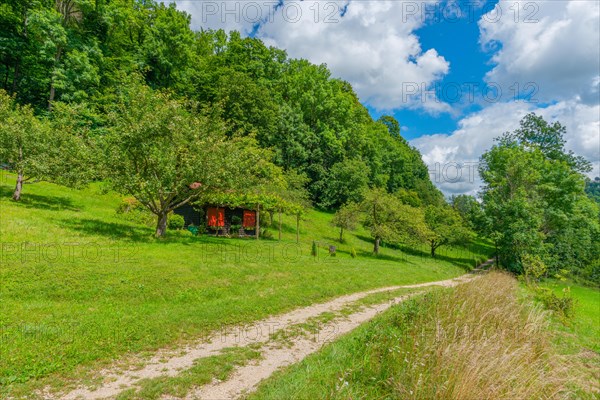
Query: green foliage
(391, 221)
(535, 202)
(353, 252)
(592, 188)
(564, 305)
(41, 149)
(346, 182)
(534, 268)
(165, 156)
(470, 210)
(346, 218)
(80, 52)
(444, 227)
(175, 222)
(313, 249)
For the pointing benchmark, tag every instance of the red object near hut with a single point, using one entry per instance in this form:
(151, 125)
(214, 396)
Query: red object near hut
(215, 216)
(249, 220)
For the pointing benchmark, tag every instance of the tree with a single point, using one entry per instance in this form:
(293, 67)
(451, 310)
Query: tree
(445, 227)
(23, 140)
(535, 202)
(536, 133)
(391, 124)
(390, 220)
(592, 188)
(469, 209)
(346, 218)
(347, 181)
(163, 155)
(39, 148)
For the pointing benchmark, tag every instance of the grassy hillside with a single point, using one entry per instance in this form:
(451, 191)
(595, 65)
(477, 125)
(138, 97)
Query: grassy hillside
(80, 286)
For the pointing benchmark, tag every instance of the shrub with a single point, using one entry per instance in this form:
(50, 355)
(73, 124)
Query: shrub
(353, 252)
(175, 222)
(533, 268)
(313, 249)
(563, 305)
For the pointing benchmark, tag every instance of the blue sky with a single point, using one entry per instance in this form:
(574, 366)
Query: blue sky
(458, 42)
(418, 61)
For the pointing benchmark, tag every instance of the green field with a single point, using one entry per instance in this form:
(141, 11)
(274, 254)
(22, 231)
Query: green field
(80, 286)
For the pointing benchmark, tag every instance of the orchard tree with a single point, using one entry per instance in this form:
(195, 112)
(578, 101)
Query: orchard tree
(42, 149)
(164, 155)
(445, 227)
(346, 218)
(23, 141)
(390, 220)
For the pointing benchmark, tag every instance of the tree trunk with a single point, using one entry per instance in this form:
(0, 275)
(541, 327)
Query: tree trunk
(279, 224)
(432, 251)
(341, 235)
(15, 78)
(18, 187)
(52, 88)
(161, 225)
(376, 245)
(497, 258)
(257, 221)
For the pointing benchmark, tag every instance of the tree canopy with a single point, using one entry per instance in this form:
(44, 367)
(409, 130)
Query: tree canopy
(80, 52)
(535, 202)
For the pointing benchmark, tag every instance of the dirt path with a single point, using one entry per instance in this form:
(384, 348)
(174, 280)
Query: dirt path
(247, 377)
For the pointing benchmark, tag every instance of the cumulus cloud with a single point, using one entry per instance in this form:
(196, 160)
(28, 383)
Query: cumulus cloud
(553, 44)
(371, 44)
(452, 158)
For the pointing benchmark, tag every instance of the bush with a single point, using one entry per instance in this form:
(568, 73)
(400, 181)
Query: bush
(313, 249)
(533, 268)
(353, 252)
(175, 222)
(563, 305)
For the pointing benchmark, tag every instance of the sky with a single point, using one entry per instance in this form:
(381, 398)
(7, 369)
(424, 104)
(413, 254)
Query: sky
(455, 74)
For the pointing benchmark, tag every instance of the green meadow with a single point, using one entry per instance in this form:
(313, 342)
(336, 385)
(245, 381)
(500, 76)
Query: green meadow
(82, 286)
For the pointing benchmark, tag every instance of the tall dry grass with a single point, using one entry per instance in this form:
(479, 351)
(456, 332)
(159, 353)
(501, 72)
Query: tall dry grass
(478, 342)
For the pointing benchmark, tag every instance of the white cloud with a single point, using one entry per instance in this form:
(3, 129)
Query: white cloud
(372, 46)
(553, 44)
(477, 131)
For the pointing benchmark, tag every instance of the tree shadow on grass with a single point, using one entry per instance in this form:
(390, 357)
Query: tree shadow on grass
(30, 200)
(125, 232)
(467, 261)
(111, 230)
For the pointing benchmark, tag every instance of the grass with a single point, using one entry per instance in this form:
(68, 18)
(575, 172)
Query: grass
(577, 337)
(477, 341)
(80, 287)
